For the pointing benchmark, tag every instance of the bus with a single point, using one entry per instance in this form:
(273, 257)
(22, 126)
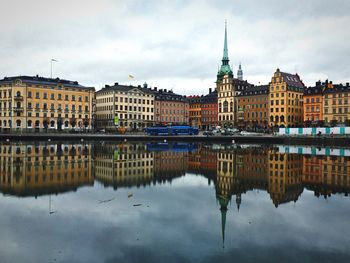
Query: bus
(172, 130)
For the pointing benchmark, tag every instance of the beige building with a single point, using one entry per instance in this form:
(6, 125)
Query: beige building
(37, 103)
(129, 107)
(336, 104)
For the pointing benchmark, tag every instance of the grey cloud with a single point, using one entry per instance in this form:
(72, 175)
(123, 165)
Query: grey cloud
(101, 42)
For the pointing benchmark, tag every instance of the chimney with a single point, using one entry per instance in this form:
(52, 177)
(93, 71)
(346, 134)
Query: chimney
(139, 86)
(165, 90)
(318, 83)
(209, 90)
(155, 88)
(106, 86)
(347, 84)
(116, 84)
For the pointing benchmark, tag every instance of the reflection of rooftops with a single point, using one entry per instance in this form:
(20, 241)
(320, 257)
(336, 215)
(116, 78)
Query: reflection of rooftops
(37, 80)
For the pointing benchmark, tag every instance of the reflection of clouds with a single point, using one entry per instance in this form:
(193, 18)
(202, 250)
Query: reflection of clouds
(181, 224)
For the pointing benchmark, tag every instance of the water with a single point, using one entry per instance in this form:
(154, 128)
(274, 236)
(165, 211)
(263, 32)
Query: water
(108, 202)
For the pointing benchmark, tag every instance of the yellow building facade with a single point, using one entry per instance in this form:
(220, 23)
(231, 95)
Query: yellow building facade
(36, 103)
(286, 100)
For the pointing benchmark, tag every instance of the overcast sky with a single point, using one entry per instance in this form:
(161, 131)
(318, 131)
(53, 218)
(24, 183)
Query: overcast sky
(174, 44)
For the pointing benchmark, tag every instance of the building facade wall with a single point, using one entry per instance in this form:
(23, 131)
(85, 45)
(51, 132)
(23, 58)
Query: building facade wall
(132, 106)
(39, 103)
(336, 106)
(195, 112)
(170, 111)
(253, 111)
(313, 108)
(286, 100)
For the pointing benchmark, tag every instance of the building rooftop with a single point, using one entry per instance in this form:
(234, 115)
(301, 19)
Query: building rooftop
(168, 95)
(292, 80)
(37, 80)
(126, 88)
(255, 90)
(338, 88)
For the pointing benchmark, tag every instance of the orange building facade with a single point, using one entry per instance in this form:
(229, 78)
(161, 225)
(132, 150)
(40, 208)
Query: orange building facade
(195, 114)
(313, 105)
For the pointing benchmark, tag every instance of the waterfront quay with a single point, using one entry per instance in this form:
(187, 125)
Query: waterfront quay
(246, 139)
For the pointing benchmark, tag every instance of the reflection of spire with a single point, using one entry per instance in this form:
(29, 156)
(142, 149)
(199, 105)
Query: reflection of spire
(238, 201)
(223, 208)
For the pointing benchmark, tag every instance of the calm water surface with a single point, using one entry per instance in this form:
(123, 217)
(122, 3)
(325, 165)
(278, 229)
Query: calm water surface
(109, 202)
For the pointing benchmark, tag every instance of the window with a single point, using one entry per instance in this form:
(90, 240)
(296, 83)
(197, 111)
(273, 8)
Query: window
(52, 96)
(29, 94)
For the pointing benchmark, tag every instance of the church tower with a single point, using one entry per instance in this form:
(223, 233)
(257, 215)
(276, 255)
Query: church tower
(225, 68)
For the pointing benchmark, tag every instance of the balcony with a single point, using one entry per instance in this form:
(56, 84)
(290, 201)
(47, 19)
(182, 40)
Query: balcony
(19, 109)
(18, 98)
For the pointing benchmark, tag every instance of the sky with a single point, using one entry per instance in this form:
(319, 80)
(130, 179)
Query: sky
(174, 44)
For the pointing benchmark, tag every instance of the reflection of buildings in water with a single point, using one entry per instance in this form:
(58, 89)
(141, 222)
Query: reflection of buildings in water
(123, 165)
(285, 177)
(326, 175)
(31, 170)
(169, 165)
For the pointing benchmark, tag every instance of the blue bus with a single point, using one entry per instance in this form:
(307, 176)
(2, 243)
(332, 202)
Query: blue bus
(172, 130)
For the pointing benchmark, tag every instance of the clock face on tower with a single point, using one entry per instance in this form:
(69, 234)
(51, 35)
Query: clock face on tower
(18, 82)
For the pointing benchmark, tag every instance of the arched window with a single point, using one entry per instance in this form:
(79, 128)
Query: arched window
(231, 106)
(276, 119)
(66, 124)
(18, 123)
(4, 123)
(219, 107)
(0, 123)
(37, 124)
(29, 123)
(225, 106)
(18, 104)
(18, 94)
(282, 118)
(52, 124)
(271, 118)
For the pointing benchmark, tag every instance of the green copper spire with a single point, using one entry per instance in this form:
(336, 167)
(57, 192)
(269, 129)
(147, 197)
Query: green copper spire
(225, 58)
(225, 68)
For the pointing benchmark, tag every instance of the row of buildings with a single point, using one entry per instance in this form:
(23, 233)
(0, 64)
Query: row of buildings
(38, 103)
